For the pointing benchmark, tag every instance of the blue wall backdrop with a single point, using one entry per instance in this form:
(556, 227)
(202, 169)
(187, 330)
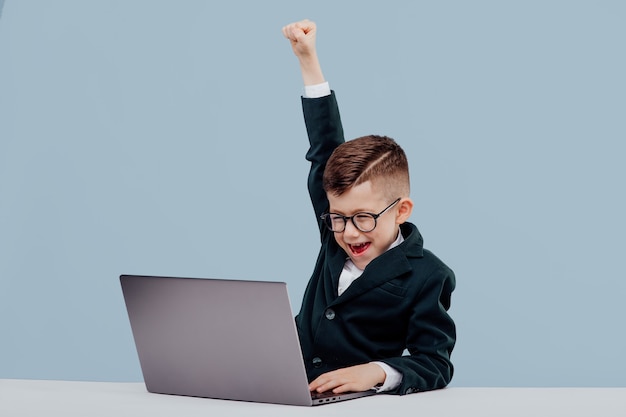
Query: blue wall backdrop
(160, 137)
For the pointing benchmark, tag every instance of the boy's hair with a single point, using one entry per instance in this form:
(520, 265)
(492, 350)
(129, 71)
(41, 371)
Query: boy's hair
(369, 158)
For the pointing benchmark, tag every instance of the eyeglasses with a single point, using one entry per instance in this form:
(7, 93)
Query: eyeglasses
(364, 221)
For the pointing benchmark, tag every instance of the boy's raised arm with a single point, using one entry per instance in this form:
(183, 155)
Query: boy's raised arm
(302, 35)
(321, 114)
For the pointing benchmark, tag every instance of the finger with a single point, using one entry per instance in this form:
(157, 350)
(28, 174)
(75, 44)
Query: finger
(302, 28)
(297, 34)
(331, 385)
(297, 29)
(335, 383)
(322, 383)
(344, 388)
(339, 387)
(288, 31)
(317, 385)
(306, 25)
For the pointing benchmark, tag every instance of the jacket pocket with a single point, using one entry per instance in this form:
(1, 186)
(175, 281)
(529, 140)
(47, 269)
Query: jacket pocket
(391, 288)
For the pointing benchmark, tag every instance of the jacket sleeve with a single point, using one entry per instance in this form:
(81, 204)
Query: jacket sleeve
(323, 126)
(430, 339)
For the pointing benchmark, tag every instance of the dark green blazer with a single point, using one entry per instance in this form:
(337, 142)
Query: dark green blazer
(400, 302)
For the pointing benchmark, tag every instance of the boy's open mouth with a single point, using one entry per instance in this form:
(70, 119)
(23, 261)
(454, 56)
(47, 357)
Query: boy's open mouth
(359, 248)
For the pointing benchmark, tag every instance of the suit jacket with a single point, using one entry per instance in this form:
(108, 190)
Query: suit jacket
(399, 302)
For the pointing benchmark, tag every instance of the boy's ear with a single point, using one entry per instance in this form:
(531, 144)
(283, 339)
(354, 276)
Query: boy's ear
(405, 208)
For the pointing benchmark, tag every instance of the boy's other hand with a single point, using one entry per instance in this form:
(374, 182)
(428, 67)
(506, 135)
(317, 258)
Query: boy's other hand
(302, 37)
(354, 378)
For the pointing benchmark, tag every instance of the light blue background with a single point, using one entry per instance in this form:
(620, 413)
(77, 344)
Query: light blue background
(161, 137)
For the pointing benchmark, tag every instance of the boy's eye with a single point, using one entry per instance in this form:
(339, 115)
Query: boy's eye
(365, 221)
(336, 218)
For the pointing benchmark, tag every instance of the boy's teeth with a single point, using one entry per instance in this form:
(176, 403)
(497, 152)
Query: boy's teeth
(359, 247)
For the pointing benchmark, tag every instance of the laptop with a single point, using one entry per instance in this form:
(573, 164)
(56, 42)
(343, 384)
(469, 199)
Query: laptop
(215, 338)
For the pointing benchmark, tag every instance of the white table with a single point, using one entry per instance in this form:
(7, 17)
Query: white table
(31, 398)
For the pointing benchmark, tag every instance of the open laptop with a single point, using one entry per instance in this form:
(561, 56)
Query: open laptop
(215, 338)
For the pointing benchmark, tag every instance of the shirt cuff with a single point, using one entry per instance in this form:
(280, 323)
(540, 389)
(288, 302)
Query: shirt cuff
(392, 380)
(317, 90)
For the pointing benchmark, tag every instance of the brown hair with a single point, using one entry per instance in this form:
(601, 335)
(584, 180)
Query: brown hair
(368, 158)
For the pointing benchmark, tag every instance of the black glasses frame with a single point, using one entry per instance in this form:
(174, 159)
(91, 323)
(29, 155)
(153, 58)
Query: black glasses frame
(325, 217)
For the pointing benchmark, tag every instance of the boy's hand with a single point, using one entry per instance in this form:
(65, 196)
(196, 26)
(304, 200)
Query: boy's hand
(301, 35)
(354, 378)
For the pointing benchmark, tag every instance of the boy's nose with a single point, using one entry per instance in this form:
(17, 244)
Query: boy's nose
(351, 229)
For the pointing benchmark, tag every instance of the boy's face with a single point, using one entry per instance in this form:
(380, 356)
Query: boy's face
(363, 247)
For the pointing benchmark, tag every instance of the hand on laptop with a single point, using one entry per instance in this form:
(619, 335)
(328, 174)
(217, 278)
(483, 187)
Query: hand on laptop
(354, 378)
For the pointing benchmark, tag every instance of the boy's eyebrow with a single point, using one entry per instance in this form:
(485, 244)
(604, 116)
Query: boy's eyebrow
(352, 211)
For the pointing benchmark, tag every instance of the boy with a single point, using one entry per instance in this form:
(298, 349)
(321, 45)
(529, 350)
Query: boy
(375, 291)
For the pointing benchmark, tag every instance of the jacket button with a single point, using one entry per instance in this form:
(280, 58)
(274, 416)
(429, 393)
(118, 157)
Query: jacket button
(330, 314)
(317, 362)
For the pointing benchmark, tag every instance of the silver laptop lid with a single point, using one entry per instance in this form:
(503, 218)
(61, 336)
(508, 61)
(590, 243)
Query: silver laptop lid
(216, 338)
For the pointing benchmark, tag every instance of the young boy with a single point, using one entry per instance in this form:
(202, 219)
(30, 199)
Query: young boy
(375, 290)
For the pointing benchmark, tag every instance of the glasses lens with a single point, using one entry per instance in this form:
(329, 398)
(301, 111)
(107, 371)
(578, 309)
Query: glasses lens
(365, 222)
(335, 222)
